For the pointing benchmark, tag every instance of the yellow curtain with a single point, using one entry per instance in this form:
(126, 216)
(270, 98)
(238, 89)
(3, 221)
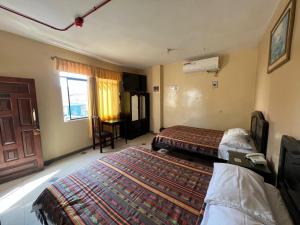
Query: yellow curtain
(68, 66)
(103, 99)
(92, 102)
(107, 74)
(108, 98)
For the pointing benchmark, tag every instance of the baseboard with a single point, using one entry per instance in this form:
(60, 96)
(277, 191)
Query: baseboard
(48, 162)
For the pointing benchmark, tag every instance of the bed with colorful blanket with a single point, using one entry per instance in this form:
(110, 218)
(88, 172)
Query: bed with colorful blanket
(191, 139)
(133, 186)
(215, 143)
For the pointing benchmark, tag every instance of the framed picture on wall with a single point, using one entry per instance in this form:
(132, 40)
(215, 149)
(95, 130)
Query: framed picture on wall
(281, 38)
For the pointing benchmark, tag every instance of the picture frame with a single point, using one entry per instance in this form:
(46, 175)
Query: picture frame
(281, 38)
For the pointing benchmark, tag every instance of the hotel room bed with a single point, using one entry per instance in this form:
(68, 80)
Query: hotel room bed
(192, 139)
(139, 186)
(209, 142)
(133, 186)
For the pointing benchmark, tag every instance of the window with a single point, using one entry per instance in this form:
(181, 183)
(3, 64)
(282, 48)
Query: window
(74, 89)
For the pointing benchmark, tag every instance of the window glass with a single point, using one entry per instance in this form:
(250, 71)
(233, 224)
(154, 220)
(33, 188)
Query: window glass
(74, 96)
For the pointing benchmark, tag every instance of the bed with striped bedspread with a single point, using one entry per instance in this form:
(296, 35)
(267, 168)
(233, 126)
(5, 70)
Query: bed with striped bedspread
(190, 139)
(133, 186)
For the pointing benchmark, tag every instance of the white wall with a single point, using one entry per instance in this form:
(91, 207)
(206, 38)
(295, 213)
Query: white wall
(196, 103)
(278, 93)
(22, 57)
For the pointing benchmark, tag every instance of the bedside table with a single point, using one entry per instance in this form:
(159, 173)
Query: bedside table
(239, 158)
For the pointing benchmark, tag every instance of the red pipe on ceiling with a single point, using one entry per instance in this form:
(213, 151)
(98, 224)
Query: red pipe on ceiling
(78, 20)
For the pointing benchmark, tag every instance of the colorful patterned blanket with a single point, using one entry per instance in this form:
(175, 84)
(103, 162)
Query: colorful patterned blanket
(190, 139)
(133, 186)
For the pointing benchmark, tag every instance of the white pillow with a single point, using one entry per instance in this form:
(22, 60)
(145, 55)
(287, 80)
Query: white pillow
(239, 141)
(237, 131)
(242, 189)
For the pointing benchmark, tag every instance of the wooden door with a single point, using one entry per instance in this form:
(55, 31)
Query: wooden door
(20, 142)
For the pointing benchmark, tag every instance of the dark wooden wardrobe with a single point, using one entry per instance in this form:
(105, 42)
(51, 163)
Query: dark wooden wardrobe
(20, 141)
(135, 105)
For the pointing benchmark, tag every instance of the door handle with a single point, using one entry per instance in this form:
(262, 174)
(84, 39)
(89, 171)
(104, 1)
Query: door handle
(36, 132)
(33, 115)
(34, 118)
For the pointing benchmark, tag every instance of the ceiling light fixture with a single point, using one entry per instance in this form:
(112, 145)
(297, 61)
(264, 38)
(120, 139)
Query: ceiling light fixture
(78, 22)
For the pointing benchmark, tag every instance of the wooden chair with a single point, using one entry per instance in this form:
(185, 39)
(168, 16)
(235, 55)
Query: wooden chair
(101, 135)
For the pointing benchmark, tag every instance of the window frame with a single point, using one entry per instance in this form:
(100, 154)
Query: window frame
(69, 103)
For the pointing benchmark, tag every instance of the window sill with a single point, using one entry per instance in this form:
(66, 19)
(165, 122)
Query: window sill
(74, 120)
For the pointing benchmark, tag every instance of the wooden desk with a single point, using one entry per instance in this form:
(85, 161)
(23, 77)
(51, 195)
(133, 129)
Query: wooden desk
(113, 124)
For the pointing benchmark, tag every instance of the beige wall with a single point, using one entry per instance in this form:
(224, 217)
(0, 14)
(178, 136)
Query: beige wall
(21, 57)
(197, 104)
(155, 78)
(278, 93)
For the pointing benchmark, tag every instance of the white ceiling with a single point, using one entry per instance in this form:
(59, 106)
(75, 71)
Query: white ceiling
(137, 33)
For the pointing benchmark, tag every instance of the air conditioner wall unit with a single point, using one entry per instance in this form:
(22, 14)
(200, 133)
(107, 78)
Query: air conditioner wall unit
(203, 65)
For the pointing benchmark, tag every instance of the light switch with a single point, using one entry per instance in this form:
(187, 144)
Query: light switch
(173, 88)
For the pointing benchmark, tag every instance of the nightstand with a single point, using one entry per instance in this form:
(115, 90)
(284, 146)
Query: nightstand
(238, 158)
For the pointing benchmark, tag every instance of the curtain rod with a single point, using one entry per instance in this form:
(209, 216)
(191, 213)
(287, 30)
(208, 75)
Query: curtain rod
(57, 57)
(92, 66)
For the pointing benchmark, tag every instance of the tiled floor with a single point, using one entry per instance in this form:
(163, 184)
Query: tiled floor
(17, 196)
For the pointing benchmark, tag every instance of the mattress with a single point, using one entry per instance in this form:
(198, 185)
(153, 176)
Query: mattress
(198, 140)
(133, 186)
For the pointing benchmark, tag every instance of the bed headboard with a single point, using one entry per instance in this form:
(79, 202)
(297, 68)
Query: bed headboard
(288, 180)
(259, 131)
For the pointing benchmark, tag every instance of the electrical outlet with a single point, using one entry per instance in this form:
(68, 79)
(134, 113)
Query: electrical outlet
(215, 84)
(155, 88)
(173, 88)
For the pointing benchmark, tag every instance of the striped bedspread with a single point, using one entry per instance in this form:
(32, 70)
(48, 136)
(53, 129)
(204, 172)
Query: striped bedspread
(192, 139)
(133, 186)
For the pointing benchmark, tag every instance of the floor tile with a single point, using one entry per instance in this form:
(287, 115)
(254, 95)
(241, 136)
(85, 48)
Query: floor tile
(17, 196)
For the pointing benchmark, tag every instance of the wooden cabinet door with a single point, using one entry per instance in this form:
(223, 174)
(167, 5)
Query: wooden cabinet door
(20, 142)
